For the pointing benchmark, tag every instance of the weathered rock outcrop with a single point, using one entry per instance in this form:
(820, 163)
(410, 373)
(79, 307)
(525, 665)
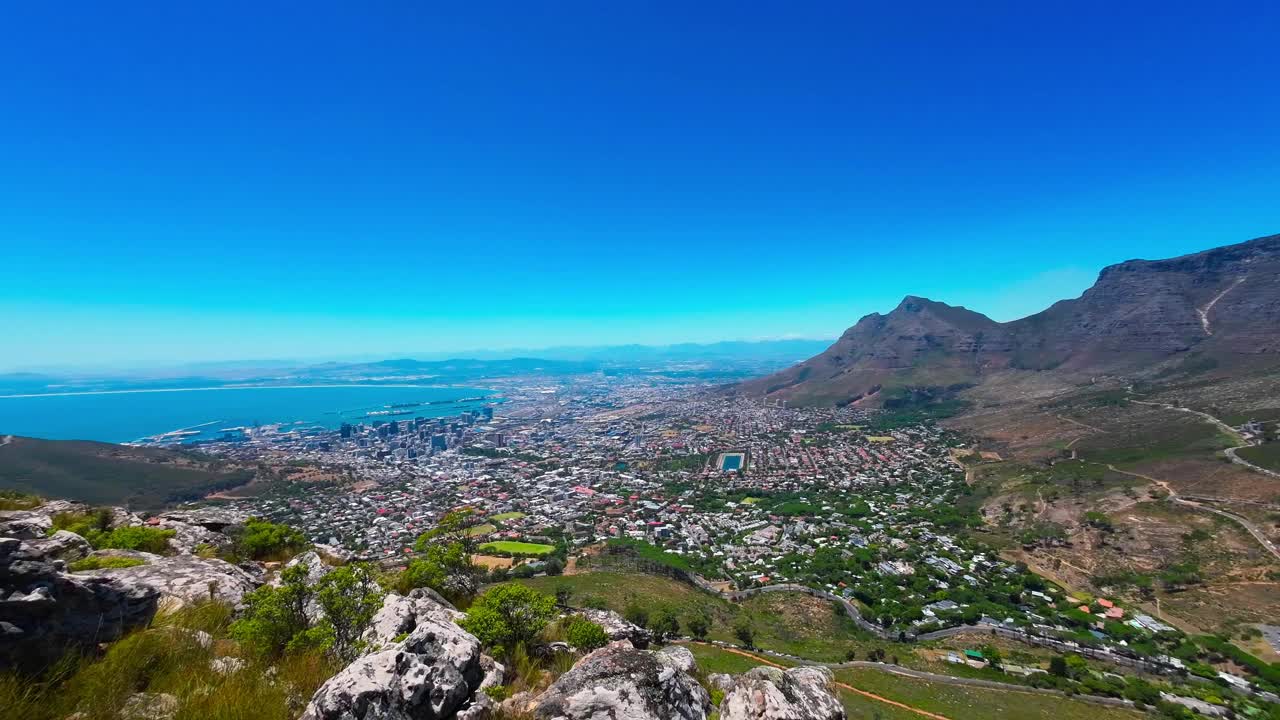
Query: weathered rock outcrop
(766, 693)
(210, 518)
(37, 522)
(401, 615)
(621, 682)
(62, 545)
(187, 579)
(44, 611)
(618, 627)
(436, 672)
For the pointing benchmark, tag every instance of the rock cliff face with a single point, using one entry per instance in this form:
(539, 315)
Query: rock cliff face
(1216, 308)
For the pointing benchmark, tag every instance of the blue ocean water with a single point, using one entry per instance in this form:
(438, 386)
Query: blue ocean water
(131, 415)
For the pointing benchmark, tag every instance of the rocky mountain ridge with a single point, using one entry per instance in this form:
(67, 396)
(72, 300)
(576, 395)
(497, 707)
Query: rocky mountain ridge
(1217, 309)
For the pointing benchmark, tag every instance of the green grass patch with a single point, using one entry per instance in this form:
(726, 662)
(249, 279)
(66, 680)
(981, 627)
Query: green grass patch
(792, 623)
(105, 562)
(1266, 455)
(480, 530)
(972, 703)
(513, 547)
(15, 500)
(500, 517)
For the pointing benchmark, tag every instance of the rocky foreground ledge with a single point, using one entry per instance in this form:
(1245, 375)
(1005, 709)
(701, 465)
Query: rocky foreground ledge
(417, 663)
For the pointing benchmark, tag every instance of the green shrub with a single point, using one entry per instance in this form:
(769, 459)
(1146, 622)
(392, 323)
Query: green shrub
(145, 539)
(349, 597)
(508, 616)
(101, 562)
(84, 524)
(584, 634)
(262, 540)
(664, 624)
(276, 619)
(276, 623)
(636, 614)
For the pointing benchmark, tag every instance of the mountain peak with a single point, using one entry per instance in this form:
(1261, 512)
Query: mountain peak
(1141, 316)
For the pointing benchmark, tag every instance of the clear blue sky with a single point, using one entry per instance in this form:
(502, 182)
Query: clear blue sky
(210, 181)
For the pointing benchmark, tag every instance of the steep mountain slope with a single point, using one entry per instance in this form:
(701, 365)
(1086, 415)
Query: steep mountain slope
(921, 342)
(1215, 309)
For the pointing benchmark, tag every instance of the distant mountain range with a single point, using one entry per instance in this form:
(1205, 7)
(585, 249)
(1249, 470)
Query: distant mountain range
(725, 360)
(1216, 311)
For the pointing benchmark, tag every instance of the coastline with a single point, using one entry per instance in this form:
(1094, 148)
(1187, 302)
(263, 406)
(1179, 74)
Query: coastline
(240, 387)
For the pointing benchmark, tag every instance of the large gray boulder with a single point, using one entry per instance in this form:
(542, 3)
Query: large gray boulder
(215, 519)
(188, 538)
(62, 545)
(401, 615)
(184, 579)
(766, 693)
(619, 682)
(45, 611)
(436, 672)
(36, 522)
(618, 627)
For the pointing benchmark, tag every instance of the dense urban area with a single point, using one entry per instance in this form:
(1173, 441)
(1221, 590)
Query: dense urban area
(867, 509)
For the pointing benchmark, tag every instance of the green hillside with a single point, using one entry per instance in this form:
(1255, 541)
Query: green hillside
(106, 474)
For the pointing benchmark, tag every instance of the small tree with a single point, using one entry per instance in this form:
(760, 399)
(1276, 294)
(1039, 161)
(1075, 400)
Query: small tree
(349, 597)
(664, 624)
(745, 634)
(509, 615)
(1058, 666)
(260, 539)
(698, 625)
(636, 614)
(276, 617)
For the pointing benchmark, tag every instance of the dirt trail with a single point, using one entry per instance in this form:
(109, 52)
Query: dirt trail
(1204, 311)
(1243, 522)
(845, 686)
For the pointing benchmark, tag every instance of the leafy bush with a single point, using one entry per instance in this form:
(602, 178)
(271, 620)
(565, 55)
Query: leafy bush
(698, 625)
(100, 562)
(145, 539)
(509, 615)
(84, 524)
(261, 540)
(584, 634)
(349, 597)
(276, 621)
